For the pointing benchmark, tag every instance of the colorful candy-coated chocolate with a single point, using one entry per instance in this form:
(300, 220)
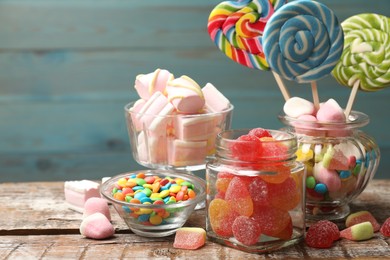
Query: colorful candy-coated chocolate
(366, 54)
(362, 216)
(189, 238)
(303, 41)
(147, 190)
(358, 232)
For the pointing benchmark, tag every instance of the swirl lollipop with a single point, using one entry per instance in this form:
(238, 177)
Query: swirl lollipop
(236, 27)
(365, 62)
(303, 41)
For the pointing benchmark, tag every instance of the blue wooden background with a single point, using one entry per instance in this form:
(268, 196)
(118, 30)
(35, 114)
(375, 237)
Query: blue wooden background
(67, 68)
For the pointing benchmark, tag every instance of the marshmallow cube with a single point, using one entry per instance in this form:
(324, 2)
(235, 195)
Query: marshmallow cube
(148, 84)
(195, 128)
(183, 153)
(296, 107)
(215, 101)
(95, 205)
(78, 192)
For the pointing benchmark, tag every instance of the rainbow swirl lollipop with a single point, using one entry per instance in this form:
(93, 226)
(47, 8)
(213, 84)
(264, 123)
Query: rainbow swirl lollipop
(303, 41)
(365, 61)
(237, 28)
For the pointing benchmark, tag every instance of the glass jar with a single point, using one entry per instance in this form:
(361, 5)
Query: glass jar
(255, 200)
(340, 160)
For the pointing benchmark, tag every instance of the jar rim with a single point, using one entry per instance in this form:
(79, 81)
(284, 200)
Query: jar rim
(355, 119)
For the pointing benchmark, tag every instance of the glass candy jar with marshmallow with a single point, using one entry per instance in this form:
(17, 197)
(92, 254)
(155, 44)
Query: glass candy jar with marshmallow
(174, 124)
(340, 159)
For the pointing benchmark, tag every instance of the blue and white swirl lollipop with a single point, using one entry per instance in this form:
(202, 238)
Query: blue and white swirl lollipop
(303, 41)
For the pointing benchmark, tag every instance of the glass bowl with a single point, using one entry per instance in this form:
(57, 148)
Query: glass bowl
(179, 141)
(340, 159)
(142, 214)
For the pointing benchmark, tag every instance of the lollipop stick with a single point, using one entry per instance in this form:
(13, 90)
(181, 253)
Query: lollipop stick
(282, 87)
(351, 99)
(314, 92)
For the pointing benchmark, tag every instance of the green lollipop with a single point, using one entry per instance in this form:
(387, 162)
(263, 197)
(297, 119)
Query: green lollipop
(365, 62)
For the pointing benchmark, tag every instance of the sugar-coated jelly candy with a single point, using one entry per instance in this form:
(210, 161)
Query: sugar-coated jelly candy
(246, 230)
(272, 221)
(239, 197)
(284, 195)
(221, 216)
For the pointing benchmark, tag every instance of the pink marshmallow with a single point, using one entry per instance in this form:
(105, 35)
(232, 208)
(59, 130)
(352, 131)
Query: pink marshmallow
(214, 99)
(185, 95)
(78, 192)
(133, 111)
(296, 106)
(152, 149)
(147, 84)
(195, 128)
(154, 112)
(328, 177)
(183, 153)
(94, 205)
(330, 111)
(96, 226)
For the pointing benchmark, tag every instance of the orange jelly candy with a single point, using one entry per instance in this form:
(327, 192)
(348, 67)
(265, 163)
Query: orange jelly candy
(221, 216)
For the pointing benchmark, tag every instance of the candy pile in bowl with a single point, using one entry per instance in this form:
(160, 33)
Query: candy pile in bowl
(154, 203)
(175, 121)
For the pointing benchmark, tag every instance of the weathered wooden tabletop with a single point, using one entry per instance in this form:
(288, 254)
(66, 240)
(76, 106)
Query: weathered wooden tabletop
(35, 223)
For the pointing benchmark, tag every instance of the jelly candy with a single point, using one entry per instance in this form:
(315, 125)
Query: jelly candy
(358, 232)
(322, 234)
(284, 195)
(385, 228)
(246, 230)
(221, 217)
(247, 148)
(277, 173)
(272, 221)
(287, 232)
(258, 190)
(189, 238)
(239, 197)
(259, 132)
(362, 216)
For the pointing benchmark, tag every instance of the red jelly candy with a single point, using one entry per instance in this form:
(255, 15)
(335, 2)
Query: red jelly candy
(247, 148)
(272, 221)
(259, 132)
(322, 234)
(385, 228)
(258, 190)
(239, 197)
(246, 230)
(284, 195)
(221, 216)
(287, 232)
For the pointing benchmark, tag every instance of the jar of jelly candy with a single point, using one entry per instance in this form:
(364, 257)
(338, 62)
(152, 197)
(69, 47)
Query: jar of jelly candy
(255, 200)
(340, 160)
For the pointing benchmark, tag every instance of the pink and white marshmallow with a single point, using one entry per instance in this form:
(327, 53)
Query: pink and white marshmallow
(78, 192)
(147, 84)
(96, 226)
(95, 205)
(185, 95)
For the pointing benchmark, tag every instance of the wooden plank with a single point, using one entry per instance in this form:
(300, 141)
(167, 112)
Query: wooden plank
(37, 225)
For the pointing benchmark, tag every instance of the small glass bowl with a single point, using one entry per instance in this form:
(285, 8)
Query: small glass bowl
(138, 216)
(179, 141)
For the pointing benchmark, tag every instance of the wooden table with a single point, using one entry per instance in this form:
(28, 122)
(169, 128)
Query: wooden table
(35, 223)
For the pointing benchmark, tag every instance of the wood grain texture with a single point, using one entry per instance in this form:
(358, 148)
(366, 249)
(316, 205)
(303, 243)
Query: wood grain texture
(67, 68)
(36, 224)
